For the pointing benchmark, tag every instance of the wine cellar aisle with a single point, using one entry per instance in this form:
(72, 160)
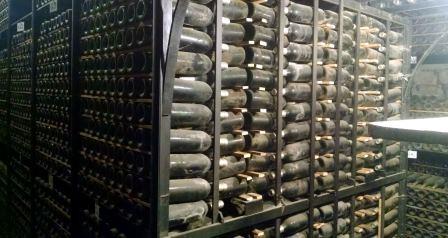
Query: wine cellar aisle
(204, 118)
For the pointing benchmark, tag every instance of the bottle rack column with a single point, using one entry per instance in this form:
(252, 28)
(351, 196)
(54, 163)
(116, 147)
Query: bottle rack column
(116, 108)
(53, 172)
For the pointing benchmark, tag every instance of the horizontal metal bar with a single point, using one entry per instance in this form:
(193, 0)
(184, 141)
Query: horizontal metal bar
(430, 23)
(239, 223)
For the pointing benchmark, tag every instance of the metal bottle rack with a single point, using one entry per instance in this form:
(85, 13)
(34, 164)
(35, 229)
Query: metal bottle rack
(163, 65)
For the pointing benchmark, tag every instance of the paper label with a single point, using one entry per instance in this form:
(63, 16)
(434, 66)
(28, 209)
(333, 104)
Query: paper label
(412, 154)
(20, 26)
(53, 6)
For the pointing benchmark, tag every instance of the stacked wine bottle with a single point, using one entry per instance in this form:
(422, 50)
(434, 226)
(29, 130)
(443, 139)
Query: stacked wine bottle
(4, 15)
(324, 217)
(391, 204)
(20, 127)
(370, 105)
(367, 214)
(4, 94)
(115, 69)
(427, 188)
(54, 171)
(191, 118)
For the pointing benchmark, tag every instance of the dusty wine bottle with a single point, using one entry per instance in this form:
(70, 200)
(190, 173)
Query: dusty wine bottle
(231, 143)
(299, 91)
(303, 14)
(301, 72)
(188, 165)
(231, 121)
(295, 189)
(300, 33)
(297, 151)
(195, 41)
(296, 131)
(235, 10)
(302, 53)
(260, 79)
(297, 112)
(257, 56)
(259, 35)
(231, 166)
(198, 15)
(259, 100)
(259, 121)
(294, 224)
(184, 213)
(189, 141)
(188, 190)
(192, 64)
(233, 77)
(233, 98)
(231, 187)
(191, 91)
(233, 55)
(190, 115)
(263, 142)
(326, 163)
(261, 14)
(295, 170)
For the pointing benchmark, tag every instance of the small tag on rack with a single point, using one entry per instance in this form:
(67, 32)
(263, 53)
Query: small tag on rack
(53, 6)
(412, 154)
(20, 26)
(50, 181)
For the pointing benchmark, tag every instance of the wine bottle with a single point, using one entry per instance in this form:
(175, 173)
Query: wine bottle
(231, 121)
(394, 94)
(332, 18)
(188, 165)
(184, 213)
(259, 100)
(259, 121)
(231, 143)
(297, 112)
(297, 151)
(372, 56)
(231, 166)
(233, 77)
(391, 203)
(329, 92)
(189, 141)
(326, 182)
(366, 100)
(232, 33)
(393, 150)
(300, 33)
(326, 163)
(263, 142)
(390, 230)
(261, 79)
(260, 35)
(396, 52)
(296, 131)
(260, 163)
(395, 66)
(303, 14)
(372, 23)
(189, 115)
(369, 38)
(331, 57)
(263, 57)
(195, 41)
(369, 69)
(395, 38)
(393, 109)
(302, 53)
(301, 72)
(260, 184)
(233, 55)
(294, 224)
(233, 98)
(235, 10)
(192, 64)
(198, 15)
(295, 170)
(295, 189)
(300, 91)
(231, 187)
(391, 216)
(391, 190)
(261, 14)
(191, 91)
(188, 190)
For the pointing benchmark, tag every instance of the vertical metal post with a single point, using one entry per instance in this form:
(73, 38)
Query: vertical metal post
(355, 117)
(279, 126)
(337, 134)
(75, 115)
(385, 108)
(34, 36)
(161, 128)
(313, 117)
(217, 106)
